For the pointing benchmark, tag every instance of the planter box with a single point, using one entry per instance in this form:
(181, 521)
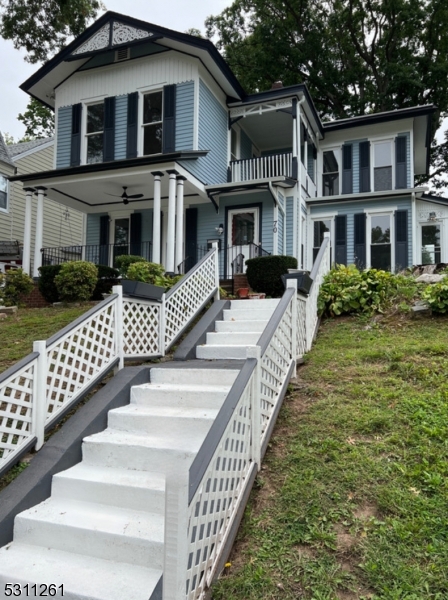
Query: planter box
(304, 281)
(138, 289)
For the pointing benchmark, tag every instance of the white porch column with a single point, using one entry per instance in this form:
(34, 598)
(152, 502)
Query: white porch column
(39, 231)
(156, 217)
(171, 222)
(180, 221)
(26, 258)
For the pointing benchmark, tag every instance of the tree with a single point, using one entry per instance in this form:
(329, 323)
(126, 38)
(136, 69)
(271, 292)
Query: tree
(356, 56)
(43, 26)
(38, 120)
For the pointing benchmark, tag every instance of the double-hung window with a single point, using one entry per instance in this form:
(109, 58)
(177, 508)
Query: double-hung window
(152, 123)
(3, 193)
(95, 132)
(382, 166)
(380, 241)
(330, 177)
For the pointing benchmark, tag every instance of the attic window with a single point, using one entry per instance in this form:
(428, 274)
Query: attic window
(122, 54)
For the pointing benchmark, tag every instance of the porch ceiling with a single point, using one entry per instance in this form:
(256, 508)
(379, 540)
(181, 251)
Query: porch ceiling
(270, 130)
(89, 192)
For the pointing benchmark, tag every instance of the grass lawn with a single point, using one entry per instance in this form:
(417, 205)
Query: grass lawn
(352, 498)
(19, 331)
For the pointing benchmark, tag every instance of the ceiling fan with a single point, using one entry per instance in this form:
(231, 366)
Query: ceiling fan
(125, 197)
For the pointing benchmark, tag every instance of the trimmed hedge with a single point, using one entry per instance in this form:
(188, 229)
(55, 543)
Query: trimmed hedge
(264, 273)
(107, 278)
(76, 280)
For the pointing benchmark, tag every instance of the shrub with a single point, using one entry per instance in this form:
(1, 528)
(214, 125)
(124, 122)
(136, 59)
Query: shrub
(436, 296)
(47, 285)
(264, 273)
(125, 261)
(345, 290)
(76, 280)
(17, 285)
(149, 272)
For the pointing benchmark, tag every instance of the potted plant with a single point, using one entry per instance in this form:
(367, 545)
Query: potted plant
(146, 280)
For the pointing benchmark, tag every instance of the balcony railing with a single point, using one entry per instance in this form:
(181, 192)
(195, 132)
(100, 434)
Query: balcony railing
(264, 167)
(99, 254)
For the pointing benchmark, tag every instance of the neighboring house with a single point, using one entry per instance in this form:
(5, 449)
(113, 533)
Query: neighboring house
(63, 226)
(160, 147)
(7, 251)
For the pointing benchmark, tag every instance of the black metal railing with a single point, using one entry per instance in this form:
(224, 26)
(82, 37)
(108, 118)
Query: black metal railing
(237, 256)
(99, 254)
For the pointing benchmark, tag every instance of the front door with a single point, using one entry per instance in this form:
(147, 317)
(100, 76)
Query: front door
(242, 236)
(431, 243)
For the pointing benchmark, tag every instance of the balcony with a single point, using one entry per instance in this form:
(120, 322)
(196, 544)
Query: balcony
(263, 167)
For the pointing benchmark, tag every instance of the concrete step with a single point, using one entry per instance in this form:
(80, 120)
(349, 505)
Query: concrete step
(83, 577)
(141, 451)
(211, 352)
(232, 338)
(241, 326)
(199, 396)
(254, 304)
(136, 490)
(138, 418)
(247, 314)
(106, 532)
(195, 376)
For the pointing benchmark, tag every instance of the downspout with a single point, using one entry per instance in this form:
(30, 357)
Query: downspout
(297, 206)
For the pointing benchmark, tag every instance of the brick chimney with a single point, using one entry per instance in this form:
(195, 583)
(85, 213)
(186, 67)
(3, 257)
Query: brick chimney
(277, 85)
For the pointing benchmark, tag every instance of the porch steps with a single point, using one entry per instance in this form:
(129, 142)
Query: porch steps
(100, 534)
(241, 327)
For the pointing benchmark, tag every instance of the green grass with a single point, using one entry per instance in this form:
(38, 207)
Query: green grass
(19, 331)
(352, 498)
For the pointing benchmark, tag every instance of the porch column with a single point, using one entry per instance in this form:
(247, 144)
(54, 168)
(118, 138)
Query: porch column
(26, 258)
(39, 231)
(156, 217)
(180, 221)
(171, 222)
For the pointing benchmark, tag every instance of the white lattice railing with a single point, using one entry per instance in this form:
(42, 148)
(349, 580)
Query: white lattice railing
(321, 267)
(39, 390)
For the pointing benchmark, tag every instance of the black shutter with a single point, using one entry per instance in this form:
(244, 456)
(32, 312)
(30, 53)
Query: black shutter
(104, 240)
(364, 167)
(347, 169)
(341, 239)
(191, 231)
(169, 119)
(136, 234)
(359, 247)
(401, 239)
(400, 163)
(109, 129)
(131, 138)
(75, 147)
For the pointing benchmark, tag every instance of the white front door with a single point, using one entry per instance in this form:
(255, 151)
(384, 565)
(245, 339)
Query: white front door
(242, 236)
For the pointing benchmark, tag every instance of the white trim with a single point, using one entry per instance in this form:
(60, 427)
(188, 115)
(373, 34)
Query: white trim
(374, 142)
(377, 211)
(140, 132)
(322, 217)
(5, 211)
(195, 113)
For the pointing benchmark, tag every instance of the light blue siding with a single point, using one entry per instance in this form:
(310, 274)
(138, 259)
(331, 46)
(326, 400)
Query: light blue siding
(355, 163)
(121, 118)
(407, 135)
(93, 229)
(352, 208)
(212, 136)
(289, 225)
(64, 136)
(246, 146)
(281, 230)
(184, 115)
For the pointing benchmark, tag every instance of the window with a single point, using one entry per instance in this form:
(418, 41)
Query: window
(152, 123)
(3, 193)
(320, 227)
(94, 132)
(330, 178)
(380, 242)
(382, 171)
(233, 144)
(431, 247)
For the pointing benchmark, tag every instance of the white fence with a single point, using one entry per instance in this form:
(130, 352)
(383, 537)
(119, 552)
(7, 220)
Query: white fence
(39, 390)
(203, 508)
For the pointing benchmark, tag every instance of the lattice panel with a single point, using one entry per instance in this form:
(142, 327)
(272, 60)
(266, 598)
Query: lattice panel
(301, 326)
(78, 357)
(275, 363)
(16, 411)
(141, 328)
(183, 304)
(217, 498)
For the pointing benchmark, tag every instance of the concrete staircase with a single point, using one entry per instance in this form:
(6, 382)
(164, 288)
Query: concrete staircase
(242, 326)
(101, 532)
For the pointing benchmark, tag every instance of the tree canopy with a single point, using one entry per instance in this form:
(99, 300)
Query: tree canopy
(356, 56)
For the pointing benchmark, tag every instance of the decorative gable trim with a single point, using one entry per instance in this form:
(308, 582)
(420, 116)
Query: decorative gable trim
(111, 35)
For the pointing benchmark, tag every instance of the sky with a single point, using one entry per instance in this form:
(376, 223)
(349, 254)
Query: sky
(179, 15)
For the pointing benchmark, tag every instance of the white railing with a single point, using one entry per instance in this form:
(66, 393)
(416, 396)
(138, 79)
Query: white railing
(264, 167)
(204, 503)
(39, 390)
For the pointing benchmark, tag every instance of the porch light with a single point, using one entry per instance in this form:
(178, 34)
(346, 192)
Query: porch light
(432, 216)
(220, 229)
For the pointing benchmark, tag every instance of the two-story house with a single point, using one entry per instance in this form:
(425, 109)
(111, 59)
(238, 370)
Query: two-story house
(160, 147)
